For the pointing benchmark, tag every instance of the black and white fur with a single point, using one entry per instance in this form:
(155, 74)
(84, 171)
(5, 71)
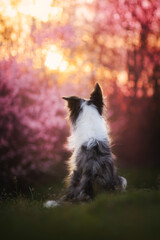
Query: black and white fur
(92, 160)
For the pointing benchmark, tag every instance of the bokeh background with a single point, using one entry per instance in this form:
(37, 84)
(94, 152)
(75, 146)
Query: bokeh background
(52, 48)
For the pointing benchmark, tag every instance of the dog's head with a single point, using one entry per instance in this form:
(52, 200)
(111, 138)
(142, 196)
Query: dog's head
(76, 104)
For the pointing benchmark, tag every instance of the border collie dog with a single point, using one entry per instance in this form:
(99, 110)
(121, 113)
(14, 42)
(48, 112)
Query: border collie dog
(92, 160)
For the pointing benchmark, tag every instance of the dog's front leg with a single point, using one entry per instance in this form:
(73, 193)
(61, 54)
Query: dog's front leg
(86, 185)
(72, 191)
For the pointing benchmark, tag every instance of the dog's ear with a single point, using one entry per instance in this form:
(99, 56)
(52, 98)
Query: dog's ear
(70, 102)
(73, 102)
(66, 98)
(74, 105)
(96, 98)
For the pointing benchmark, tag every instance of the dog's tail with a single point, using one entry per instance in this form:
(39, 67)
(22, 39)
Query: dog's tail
(51, 204)
(54, 203)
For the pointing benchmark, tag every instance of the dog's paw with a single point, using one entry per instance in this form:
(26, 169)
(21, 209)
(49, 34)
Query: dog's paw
(123, 184)
(84, 197)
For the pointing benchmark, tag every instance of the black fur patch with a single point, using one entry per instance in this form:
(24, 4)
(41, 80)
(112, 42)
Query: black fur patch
(74, 105)
(96, 98)
(94, 164)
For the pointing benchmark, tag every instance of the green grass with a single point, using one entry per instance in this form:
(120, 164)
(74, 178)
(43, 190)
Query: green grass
(131, 215)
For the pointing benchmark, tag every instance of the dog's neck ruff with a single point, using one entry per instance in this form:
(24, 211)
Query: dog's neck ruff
(89, 127)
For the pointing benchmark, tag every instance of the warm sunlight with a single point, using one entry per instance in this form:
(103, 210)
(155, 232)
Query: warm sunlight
(40, 9)
(54, 60)
(122, 77)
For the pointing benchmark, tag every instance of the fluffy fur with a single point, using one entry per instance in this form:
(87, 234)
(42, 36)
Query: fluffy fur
(92, 160)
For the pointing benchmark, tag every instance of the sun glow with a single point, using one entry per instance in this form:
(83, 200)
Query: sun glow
(122, 77)
(40, 9)
(55, 61)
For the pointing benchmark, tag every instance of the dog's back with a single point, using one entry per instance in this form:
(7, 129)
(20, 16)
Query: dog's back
(92, 159)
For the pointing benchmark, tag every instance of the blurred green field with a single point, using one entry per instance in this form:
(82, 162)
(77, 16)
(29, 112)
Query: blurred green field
(131, 215)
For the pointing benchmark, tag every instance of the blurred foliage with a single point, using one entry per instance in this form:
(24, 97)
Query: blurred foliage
(64, 50)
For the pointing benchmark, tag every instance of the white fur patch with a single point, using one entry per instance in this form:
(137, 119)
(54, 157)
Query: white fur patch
(50, 203)
(124, 184)
(90, 126)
